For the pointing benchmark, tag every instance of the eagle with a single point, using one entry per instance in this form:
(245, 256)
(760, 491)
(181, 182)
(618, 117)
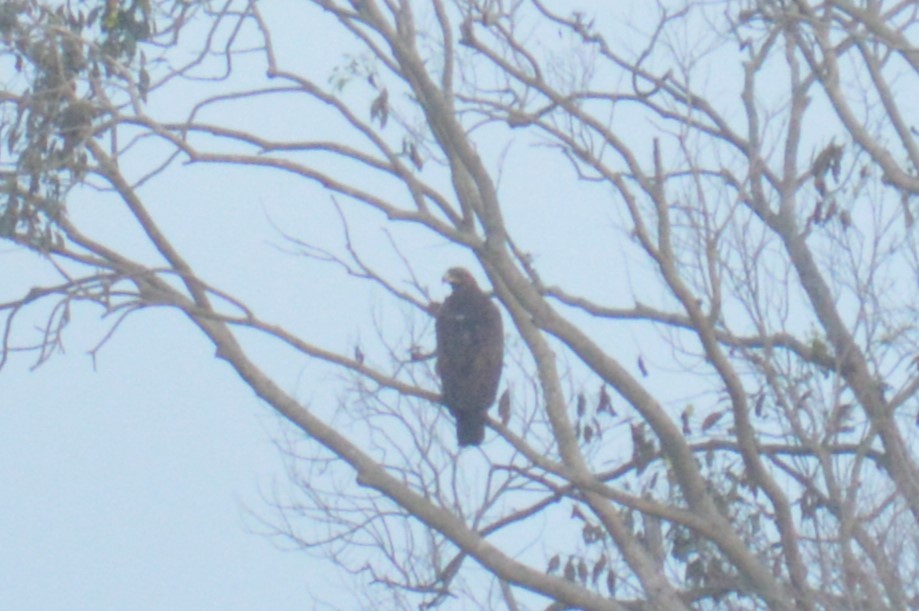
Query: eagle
(470, 352)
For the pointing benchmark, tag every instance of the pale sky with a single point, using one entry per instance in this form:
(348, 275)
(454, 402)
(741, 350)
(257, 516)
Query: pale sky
(129, 482)
(139, 481)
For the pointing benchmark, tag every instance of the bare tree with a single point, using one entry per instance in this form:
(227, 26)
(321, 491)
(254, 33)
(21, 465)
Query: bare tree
(696, 218)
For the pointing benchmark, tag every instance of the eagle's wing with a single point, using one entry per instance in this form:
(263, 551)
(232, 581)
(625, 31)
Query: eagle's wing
(470, 350)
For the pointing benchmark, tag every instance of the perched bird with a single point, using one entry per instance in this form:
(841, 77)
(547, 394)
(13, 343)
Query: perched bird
(470, 352)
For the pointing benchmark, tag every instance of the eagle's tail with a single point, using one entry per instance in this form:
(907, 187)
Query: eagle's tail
(470, 428)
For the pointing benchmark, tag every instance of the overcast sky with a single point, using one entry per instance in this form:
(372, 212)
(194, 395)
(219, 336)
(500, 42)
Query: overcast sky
(139, 479)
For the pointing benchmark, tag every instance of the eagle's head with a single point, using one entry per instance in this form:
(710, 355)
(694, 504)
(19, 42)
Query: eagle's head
(459, 277)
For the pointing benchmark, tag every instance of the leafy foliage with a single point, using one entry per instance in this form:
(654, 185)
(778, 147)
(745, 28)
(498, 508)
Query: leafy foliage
(709, 283)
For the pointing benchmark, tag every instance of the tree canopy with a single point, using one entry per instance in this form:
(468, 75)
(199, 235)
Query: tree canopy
(696, 217)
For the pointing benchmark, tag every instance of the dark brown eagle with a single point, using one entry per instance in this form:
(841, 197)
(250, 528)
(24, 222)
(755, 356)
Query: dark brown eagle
(470, 351)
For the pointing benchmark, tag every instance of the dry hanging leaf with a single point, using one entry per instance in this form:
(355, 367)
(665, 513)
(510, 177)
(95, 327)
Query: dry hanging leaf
(711, 420)
(598, 568)
(504, 407)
